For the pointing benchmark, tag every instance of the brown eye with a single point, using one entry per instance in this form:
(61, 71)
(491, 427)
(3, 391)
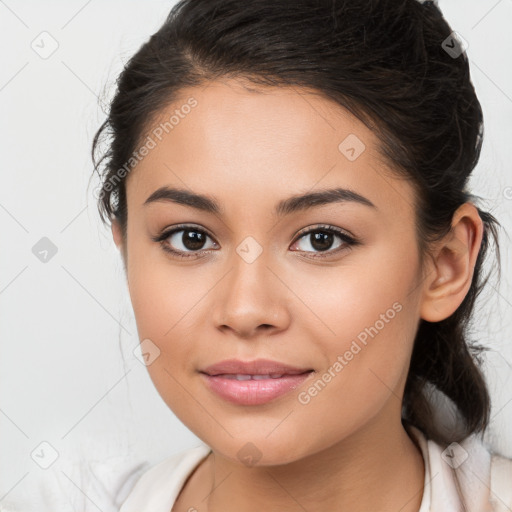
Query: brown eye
(185, 241)
(321, 240)
(324, 239)
(191, 239)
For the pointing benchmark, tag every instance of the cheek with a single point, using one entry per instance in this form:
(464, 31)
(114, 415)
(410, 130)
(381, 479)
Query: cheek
(365, 312)
(162, 306)
(162, 292)
(347, 298)
(167, 301)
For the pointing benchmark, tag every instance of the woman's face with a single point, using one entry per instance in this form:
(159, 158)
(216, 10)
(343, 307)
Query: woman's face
(258, 282)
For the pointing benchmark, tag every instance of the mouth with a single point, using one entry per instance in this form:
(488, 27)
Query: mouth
(245, 376)
(254, 382)
(257, 368)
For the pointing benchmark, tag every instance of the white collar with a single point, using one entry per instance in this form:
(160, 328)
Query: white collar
(457, 477)
(465, 488)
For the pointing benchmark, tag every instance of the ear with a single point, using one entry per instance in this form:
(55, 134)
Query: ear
(117, 234)
(451, 271)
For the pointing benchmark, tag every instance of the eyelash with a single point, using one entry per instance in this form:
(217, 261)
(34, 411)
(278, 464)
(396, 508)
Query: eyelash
(348, 240)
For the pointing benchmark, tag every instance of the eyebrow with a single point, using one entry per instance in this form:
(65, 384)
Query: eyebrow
(285, 207)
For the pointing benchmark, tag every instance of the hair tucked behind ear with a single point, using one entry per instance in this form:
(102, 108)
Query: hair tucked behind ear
(444, 357)
(384, 61)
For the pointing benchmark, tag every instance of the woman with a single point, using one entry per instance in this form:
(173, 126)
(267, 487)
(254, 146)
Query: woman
(287, 185)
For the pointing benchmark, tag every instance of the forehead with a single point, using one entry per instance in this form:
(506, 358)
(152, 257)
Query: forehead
(265, 140)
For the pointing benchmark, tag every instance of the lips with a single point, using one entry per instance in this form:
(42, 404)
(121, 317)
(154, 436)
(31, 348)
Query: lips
(253, 382)
(244, 376)
(258, 367)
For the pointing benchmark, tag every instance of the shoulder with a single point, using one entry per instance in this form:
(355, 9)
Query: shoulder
(485, 476)
(157, 488)
(501, 481)
(481, 468)
(114, 484)
(75, 482)
(466, 475)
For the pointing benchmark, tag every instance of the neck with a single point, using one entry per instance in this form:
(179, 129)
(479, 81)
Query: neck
(375, 468)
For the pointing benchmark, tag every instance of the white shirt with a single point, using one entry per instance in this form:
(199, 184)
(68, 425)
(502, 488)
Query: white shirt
(480, 483)
(123, 484)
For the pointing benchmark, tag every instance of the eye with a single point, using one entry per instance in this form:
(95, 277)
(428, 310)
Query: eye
(322, 239)
(187, 241)
(184, 241)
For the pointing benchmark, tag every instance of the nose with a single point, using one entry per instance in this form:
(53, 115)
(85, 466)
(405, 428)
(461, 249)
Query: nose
(251, 300)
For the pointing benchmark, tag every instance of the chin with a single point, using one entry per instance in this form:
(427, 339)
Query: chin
(258, 450)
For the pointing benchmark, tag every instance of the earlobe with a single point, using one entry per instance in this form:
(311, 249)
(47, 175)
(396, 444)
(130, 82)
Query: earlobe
(117, 234)
(119, 240)
(452, 266)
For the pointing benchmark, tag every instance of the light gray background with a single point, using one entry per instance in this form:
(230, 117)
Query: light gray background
(65, 324)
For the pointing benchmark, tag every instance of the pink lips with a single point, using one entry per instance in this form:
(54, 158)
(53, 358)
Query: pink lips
(253, 382)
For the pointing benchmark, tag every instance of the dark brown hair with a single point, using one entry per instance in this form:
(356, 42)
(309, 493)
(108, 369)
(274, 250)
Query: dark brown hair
(389, 63)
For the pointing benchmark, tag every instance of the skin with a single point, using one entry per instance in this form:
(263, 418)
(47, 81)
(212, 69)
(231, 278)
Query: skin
(347, 448)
